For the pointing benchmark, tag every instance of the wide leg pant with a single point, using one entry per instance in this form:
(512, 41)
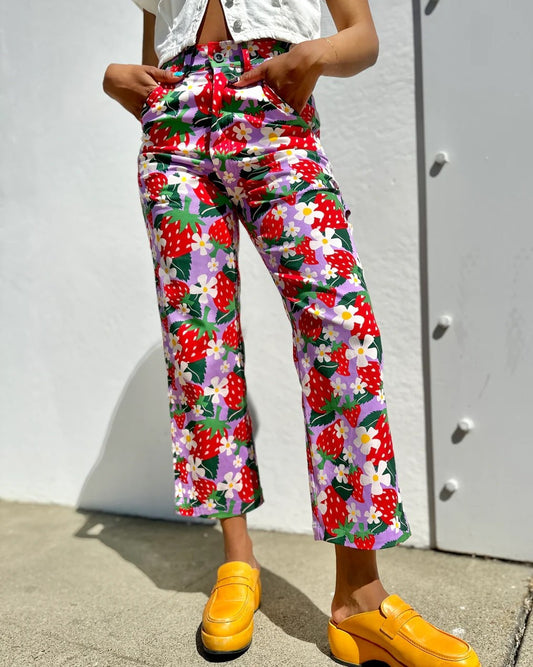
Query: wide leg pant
(213, 156)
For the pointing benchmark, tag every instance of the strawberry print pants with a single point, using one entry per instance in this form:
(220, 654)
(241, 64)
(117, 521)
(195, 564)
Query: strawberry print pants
(214, 157)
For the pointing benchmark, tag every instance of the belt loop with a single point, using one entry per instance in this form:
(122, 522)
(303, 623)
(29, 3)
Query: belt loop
(247, 65)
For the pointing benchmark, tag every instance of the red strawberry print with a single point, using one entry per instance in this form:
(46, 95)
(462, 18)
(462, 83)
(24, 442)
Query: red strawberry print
(309, 254)
(250, 482)
(385, 451)
(220, 233)
(181, 468)
(179, 418)
(186, 510)
(155, 182)
(386, 502)
(354, 479)
(328, 298)
(292, 284)
(229, 142)
(352, 412)
(370, 374)
(192, 393)
(231, 335)
(236, 389)
(333, 510)
(272, 225)
(175, 291)
(343, 261)
(208, 442)
(320, 391)
(369, 325)
(364, 539)
(178, 242)
(155, 95)
(225, 292)
(310, 326)
(193, 340)
(339, 355)
(331, 440)
(333, 214)
(254, 115)
(204, 488)
(164, 138)
(243, 430)
(308, 169)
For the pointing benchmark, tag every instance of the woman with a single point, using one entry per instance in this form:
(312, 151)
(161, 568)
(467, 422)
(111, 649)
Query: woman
(230, 136)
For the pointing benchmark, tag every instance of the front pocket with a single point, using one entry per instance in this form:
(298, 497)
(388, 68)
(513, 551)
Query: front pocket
(148, 100)
(308, 114)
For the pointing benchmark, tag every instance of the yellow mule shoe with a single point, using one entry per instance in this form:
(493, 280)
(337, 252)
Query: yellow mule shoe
(398, 636)
(228, 618)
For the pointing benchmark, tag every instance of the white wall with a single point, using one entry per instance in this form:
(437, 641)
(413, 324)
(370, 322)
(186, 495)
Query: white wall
(84, 408)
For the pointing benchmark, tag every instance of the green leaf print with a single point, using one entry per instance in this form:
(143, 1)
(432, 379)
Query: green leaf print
(371, 419)
(182, 265)
(317, 419)
(294, 262)
(377, 528)
(193, 303)
(327, 368)
(391, 469)
(197, 370)
(348, 299)
(342, 488)
(344, 236)
(211, 466)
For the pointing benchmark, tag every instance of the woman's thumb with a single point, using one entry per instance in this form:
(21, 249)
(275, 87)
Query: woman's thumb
(166, 75)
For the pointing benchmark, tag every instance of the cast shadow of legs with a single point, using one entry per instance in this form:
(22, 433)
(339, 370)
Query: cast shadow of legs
(184, 557)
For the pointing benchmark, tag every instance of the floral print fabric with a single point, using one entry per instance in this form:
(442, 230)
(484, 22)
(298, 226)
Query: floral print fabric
(213, 157)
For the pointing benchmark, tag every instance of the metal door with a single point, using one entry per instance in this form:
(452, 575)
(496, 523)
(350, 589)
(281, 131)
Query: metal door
(477, 99)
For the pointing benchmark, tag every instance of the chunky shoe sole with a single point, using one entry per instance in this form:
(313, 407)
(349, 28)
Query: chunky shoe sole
(345, 648)
(235, 644)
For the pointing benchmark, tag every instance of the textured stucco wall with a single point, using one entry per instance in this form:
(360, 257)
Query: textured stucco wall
(84, 413)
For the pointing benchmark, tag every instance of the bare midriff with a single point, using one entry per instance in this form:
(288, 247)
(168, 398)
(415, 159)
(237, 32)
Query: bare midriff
(213, 27)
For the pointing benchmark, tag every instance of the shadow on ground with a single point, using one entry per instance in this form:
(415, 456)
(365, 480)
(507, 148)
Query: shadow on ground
(184, 558)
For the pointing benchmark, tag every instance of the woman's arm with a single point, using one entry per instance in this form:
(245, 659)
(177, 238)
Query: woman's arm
(149, 55)
(354, 48)
(130, 85)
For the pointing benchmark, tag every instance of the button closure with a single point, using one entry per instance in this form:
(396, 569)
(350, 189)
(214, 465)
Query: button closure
(237, 26)
(218, 57)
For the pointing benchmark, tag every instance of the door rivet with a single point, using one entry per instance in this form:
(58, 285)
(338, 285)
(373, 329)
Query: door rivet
(465, 425)
(451, 486)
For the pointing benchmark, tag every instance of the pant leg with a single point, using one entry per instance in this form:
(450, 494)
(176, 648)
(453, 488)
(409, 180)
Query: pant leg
(193, 234)
(297, 219)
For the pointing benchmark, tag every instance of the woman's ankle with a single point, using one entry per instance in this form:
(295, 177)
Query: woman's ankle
(349, 601)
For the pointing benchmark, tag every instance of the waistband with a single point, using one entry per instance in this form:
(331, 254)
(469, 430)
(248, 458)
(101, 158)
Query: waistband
(227, 53)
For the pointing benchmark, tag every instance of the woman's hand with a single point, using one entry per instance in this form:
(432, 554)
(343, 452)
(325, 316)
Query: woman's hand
(130, 85)
(292, 75)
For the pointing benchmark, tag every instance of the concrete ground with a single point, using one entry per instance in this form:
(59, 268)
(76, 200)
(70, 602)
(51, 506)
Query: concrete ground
(94, 589)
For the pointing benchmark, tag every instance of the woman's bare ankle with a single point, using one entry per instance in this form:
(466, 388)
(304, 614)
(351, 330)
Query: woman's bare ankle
(347, 602)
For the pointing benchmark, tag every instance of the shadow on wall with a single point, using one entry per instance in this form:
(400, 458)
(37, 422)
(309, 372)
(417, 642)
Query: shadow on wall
(156, 548)
(134, 472)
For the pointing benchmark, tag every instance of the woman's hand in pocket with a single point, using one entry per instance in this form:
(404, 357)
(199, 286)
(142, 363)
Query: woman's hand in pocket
(130, 85)
(292, 75)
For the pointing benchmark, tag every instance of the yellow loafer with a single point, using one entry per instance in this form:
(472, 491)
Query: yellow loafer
(228, 618)
(398, 636)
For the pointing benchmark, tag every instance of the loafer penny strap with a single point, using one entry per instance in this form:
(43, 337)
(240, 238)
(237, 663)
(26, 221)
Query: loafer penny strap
(393, 624)
(232, 580)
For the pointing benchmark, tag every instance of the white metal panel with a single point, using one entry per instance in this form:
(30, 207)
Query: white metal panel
(478, 105)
